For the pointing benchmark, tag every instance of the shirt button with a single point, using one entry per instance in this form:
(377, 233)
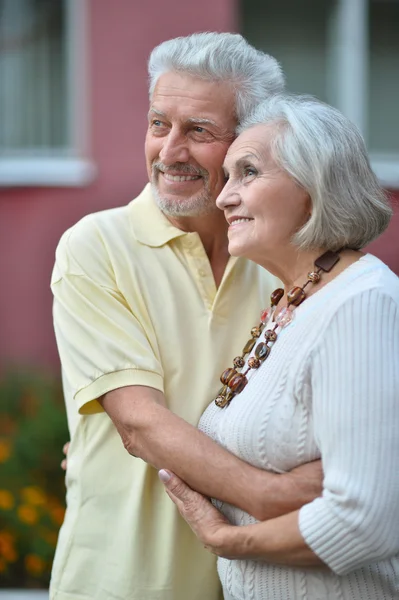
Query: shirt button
(202, 273)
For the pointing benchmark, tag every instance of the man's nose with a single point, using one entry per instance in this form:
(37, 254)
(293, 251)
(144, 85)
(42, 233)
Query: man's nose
(174, 149)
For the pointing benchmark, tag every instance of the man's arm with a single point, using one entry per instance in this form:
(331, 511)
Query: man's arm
(159, 437)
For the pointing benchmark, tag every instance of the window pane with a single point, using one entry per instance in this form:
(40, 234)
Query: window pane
(294, 33)
(384, 76)
(33, 115)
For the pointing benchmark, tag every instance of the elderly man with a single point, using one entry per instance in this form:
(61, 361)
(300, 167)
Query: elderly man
(144, 296)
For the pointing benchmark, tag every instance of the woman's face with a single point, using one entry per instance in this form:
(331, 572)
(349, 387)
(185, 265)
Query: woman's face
(262, 204)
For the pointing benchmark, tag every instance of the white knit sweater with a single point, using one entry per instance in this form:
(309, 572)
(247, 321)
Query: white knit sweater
(329, 389)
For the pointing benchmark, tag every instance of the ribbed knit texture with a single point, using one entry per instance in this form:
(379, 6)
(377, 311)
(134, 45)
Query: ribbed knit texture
(329, 389)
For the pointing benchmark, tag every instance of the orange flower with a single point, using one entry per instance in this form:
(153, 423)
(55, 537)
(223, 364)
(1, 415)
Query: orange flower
(5, 450)
(6, 500)
(27, 514)
(7, 549)
(34, 564)
(33, 495)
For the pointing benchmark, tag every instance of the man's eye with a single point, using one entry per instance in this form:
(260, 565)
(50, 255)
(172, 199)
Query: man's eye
(157, 123)
(199, 129)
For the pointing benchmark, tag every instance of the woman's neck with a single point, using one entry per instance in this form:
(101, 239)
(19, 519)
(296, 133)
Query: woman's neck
(292, 269)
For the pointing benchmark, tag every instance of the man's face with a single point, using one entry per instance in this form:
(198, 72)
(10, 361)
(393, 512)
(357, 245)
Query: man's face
(191, 124)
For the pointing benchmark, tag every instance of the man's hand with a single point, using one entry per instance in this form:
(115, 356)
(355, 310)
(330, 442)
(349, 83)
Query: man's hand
(65, 460)
(208, 524)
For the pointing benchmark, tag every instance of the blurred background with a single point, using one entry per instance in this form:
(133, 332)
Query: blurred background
(73, 104)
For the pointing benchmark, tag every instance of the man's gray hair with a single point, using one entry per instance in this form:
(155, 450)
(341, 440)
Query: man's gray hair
(228, 57)
(326, 155)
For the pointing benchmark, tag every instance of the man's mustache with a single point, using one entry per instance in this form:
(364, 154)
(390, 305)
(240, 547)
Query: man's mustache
(181, 167)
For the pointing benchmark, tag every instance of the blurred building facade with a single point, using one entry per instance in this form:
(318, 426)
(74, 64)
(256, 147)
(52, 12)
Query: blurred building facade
(73, 104)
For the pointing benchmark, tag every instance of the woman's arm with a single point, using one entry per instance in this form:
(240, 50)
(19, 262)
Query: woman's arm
(276, 541)
(159, 437)
(355, 392)
(355, 389)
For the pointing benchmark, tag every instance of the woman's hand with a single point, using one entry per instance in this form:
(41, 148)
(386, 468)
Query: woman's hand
(276, 541)
(208, 524)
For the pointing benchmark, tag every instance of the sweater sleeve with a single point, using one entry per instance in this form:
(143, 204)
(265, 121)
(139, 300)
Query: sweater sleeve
(355, 389)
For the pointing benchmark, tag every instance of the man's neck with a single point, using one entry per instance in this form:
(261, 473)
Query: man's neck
(212, 229)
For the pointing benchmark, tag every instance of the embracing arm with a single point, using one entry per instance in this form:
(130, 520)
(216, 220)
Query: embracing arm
(152, 432)
(356, 416)
(277, 540)
(106, 345)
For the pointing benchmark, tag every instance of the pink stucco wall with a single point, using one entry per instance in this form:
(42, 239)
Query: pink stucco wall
(120, 37)
(32, 219)
(386, 246)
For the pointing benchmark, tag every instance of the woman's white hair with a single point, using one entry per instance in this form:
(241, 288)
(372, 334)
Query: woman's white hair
(326, 155)
(228, 57)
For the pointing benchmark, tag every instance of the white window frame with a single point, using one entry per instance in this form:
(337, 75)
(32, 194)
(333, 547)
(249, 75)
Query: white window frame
(75, 169)
(348, 76)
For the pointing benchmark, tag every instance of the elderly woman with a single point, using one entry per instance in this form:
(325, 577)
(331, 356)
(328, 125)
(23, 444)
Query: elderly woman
(319, 377)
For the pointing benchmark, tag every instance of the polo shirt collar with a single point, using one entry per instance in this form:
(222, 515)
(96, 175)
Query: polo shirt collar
(150, 226)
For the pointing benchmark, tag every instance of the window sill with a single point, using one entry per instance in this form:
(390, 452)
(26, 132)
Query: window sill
(51, 172)
(386, 167)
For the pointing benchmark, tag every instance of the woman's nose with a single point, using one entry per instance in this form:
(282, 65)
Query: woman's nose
(228, 197)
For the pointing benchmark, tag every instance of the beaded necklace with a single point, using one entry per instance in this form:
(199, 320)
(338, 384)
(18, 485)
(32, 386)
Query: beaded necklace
(234, 381)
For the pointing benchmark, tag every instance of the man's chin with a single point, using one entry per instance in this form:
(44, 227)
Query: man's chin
(175, 205)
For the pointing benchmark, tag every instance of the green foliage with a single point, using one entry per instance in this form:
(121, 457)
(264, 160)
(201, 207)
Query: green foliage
(33, 429)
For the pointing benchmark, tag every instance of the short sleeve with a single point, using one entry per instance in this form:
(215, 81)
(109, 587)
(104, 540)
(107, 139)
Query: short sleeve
(104, 343)
(355, 388)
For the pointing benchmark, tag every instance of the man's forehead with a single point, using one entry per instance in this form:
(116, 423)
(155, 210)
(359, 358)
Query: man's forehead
(185, 98)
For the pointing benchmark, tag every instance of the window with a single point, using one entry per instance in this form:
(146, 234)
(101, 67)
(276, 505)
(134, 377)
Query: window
(43, 138)
(345, 52)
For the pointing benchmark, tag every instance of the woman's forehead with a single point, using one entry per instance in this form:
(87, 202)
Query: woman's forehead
(251, 143)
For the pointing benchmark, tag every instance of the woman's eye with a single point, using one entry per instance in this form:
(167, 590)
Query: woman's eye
(249, 172)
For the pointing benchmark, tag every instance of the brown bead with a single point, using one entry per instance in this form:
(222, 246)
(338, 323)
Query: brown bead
(296, 296)
(270, 335)
(238, 362)
(254, 363)
(255, 332)
(221, 401)
(248, 346)
(262, 351)
(227, 375)
(276, 296)
(326, 261)
(314, 277)
(238, 383)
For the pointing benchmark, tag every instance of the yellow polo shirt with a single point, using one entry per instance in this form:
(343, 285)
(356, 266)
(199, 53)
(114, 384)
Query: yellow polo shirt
(135, 303)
